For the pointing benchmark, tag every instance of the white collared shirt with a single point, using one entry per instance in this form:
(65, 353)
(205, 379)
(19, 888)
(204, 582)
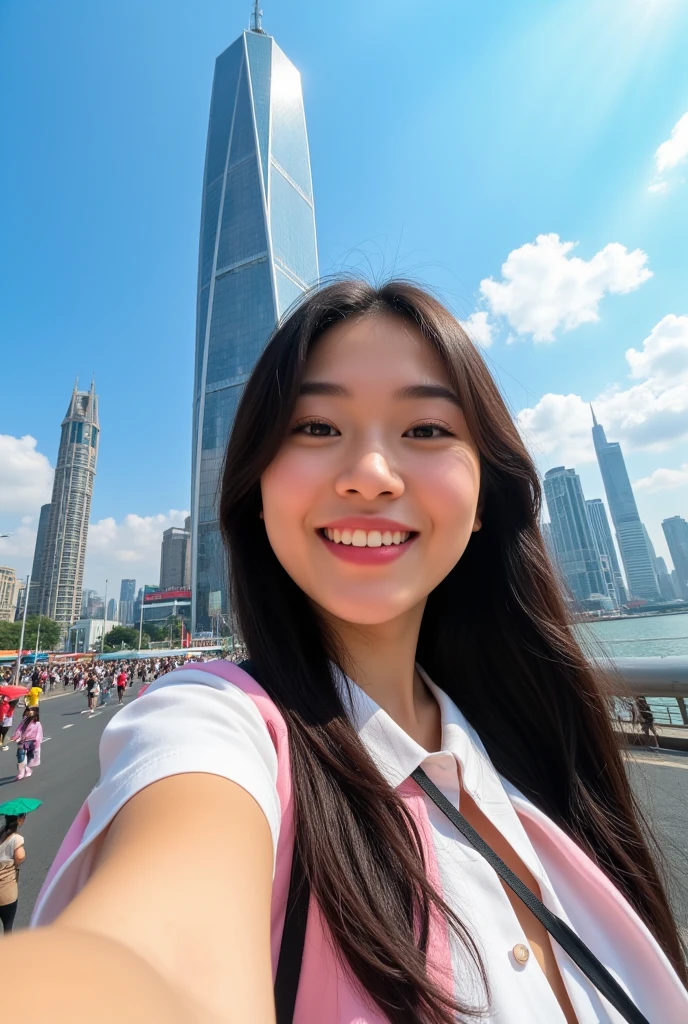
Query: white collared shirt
(216, 728)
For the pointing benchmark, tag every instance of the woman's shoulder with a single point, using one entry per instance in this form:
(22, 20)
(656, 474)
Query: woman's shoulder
(190, 720)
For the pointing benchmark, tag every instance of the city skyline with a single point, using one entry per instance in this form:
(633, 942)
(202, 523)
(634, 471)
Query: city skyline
(415, 172)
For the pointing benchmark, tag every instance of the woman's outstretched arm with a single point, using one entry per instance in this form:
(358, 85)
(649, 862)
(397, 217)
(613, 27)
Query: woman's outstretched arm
(178, 906)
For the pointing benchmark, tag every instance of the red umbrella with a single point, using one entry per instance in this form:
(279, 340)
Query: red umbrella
(13, 691)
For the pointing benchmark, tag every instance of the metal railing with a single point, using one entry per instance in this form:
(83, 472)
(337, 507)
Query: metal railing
(654, 677)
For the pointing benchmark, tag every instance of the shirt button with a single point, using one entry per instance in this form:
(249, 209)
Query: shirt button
(521, 953)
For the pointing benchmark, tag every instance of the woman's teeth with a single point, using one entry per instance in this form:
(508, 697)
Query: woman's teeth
(366, 538)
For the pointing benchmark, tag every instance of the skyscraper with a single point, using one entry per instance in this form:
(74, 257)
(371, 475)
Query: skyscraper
(127, 596)
(602, 536)
(574, 546)
(257, 255)
(676, 533)
(70, 509)
(630, 536)
(37, 567)
(175, 541)
(666, 584)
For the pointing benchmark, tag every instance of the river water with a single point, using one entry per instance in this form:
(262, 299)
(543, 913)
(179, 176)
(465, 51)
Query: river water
(634, 637)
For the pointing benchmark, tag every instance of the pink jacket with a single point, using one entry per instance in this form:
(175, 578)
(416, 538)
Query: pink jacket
(325, 991)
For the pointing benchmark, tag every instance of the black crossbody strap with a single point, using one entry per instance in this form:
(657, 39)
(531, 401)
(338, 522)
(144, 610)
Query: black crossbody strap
(293, 939)
(295, 921)
(558, 929)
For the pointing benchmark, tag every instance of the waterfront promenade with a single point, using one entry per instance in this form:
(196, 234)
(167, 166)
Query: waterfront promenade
(70, 768)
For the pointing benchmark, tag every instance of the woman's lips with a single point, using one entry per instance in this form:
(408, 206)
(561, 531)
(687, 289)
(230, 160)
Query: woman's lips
(365, 555)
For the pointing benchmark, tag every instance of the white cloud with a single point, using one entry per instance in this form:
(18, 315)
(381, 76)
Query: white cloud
(663, 480)
(650, 415)
(479, 328)
(675, 150)
(545, 289)
(130, 548)
(665, 351)
(26, 477)
(670, 154)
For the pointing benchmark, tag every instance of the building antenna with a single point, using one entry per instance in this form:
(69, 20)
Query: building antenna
(594, 421)
(256, 18)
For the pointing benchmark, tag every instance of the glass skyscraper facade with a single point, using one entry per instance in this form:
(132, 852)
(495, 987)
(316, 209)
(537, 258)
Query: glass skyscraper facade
(676, 533)
(630, 534)
(257, 256)
(602, 536)
(575, 550)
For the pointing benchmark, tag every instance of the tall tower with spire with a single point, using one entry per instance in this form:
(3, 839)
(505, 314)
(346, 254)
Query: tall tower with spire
(630, 532)
(257, 256)
(64, 549)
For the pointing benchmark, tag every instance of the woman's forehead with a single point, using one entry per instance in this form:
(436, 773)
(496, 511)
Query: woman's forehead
(382, 344)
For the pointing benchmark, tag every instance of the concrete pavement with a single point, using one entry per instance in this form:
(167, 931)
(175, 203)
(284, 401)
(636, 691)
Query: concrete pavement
(69, 770)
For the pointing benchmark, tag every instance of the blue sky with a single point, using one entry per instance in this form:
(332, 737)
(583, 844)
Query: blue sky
(463, 144)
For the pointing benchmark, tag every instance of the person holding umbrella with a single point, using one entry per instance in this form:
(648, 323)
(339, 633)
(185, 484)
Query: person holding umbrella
(9, 696)
(29, 737)
(12, 854)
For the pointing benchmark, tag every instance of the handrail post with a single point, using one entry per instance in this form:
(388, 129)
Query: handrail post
(681, 701)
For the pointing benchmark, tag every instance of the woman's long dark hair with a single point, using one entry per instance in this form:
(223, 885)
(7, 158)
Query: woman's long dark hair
(10, 827)
(494, 637)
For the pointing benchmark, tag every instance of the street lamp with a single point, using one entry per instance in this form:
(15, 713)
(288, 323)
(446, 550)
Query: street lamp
(102, 639)
(21, 642)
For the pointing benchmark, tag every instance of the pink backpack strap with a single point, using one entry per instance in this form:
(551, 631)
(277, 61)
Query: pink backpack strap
(70, 843)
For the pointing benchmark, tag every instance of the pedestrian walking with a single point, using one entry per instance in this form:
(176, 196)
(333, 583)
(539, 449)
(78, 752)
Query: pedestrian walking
(12, 855)
(392, 584)
(7, 707)
(28, 737)
(646, 721)
(121, 685)
(92, 692)
(33, 697)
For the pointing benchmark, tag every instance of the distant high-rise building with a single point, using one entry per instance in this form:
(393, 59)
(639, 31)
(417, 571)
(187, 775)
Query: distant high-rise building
(175, 542)
(87, 597)
(20, 598)
(127, 596)
(666, 584)
(112, 610)
(602, 536)
(257, 256)
(676, 533)
(70, 508)
(37, 568)
(95, 606)
(8, 593)
(640, 573)
(187, 561)
(575, 549)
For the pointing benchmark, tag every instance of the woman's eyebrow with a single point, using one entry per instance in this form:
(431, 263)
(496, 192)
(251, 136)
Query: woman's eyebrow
(427, 391)
(321, 387)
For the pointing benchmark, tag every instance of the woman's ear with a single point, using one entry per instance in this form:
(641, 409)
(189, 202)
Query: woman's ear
(261, 514)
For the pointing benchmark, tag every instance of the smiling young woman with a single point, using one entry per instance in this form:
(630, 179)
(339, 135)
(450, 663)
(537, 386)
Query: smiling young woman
(406, 632)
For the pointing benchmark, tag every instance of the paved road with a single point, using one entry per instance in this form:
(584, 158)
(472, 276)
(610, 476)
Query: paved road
(660, 782)
(69, 770)
(67, 773)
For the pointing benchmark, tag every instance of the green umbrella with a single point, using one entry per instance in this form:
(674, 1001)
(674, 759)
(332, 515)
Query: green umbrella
(22, 805)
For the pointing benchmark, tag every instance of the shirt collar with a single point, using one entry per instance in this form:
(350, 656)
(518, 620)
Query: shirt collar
(397, 755)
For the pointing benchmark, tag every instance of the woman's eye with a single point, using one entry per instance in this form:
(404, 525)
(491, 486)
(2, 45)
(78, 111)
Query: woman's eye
(424, 431)
(316, 429)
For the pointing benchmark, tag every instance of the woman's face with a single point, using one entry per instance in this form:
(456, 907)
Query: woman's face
(373, 496)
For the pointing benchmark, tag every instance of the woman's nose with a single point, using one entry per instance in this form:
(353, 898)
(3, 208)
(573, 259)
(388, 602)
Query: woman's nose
(372, 477)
